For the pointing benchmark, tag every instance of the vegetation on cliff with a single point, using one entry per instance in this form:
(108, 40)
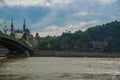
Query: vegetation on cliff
(101, 38)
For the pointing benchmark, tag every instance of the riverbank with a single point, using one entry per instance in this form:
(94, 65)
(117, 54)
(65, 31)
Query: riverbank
(73, 54)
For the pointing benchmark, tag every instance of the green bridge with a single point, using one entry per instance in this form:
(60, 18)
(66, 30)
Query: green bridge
(14, 45)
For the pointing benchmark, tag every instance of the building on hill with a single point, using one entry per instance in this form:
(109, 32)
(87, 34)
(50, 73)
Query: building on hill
(101, 45)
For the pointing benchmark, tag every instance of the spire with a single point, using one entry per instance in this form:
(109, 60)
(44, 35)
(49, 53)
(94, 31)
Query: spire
(12, 30)
(11, 24)
(5, 23)
(24, 25)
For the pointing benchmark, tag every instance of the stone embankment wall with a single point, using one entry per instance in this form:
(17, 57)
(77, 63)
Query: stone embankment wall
(72, 54)
(38, 53)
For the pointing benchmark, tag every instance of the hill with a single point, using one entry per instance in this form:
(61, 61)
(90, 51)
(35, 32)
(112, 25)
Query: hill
(101, 38)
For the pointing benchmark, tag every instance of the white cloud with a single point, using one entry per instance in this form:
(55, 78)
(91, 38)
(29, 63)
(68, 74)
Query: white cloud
(104, 2)
(113, 18)
(86, 13)
(61, 1)
(47, 3)
(25, 3)
(83, 13)
(28, 3)
(107, 1)
(1, 21)
(51, 28)
(57, 30)
(1, 5)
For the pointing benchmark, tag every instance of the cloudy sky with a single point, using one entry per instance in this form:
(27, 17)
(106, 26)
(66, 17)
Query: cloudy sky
(52, 17)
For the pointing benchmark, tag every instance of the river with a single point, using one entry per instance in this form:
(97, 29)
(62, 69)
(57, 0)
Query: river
(55, 68)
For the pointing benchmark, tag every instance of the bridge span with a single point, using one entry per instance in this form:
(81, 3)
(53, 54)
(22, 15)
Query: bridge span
(14, 45)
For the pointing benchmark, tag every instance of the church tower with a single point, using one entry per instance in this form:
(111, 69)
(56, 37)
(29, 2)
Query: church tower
(24, 26)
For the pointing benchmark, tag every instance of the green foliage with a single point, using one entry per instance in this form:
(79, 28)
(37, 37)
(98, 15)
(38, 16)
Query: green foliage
(49, 43)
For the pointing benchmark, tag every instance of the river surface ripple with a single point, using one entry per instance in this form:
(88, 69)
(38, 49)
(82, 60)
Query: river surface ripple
(55, 68)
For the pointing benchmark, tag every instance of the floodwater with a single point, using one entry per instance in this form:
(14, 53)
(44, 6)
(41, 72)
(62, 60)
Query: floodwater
(55, 68)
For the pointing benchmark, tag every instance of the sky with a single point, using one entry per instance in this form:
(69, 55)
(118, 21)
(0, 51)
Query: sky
(52, 17)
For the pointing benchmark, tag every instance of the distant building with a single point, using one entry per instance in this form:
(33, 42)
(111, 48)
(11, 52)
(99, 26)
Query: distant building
(25, 35)
(99, 44)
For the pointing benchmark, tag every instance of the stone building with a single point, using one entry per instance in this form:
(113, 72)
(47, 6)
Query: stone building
(36, 41)
(99, 44)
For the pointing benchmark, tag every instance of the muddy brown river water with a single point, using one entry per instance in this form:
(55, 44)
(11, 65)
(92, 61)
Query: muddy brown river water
(55, 68)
